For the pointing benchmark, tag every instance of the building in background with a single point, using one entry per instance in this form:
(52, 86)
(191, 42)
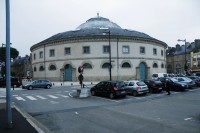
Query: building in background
(21, 67)
(176, 57)
(134, 55)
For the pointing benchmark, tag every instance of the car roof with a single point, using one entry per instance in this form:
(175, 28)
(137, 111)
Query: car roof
(133, 81)
(112, 81)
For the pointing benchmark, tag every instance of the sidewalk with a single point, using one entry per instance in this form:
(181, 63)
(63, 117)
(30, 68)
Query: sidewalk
(22, 121)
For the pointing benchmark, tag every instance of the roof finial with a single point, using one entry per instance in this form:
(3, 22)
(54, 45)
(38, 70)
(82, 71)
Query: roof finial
(97, 14)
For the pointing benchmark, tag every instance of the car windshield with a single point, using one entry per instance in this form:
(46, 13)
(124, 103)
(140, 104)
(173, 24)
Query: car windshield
(174, 80)
(140, 83)
(155, 75)
(120, 84)
(157, 81)
(187, 79)
(165, 75)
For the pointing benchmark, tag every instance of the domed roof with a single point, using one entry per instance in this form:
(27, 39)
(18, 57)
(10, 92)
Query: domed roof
(98, 22)
(97, 27)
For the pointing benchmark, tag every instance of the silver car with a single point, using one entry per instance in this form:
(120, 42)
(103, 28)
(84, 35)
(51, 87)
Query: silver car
(38, 84)
(136, 87)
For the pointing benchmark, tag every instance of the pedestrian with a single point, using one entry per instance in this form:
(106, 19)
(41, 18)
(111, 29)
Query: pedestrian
(80, 78)
(167, 87)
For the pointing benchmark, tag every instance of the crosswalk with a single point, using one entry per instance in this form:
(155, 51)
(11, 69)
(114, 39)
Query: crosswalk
(26, 97)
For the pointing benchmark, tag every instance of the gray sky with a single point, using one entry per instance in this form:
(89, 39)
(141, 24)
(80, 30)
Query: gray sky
(33, 21)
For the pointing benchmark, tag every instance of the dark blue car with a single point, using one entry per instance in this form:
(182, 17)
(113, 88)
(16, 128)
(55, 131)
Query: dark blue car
(174, 84)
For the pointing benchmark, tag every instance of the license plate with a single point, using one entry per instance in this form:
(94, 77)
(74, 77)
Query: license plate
(123, 92)
(143, 89)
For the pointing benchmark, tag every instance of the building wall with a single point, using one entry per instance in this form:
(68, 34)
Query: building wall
(97, 58)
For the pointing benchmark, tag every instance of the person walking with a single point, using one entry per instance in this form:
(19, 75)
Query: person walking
(167, 87)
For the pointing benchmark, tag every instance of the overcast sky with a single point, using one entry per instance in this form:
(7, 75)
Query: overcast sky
(32, 21)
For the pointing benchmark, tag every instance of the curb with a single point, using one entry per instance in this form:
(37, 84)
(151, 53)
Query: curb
(40, 128)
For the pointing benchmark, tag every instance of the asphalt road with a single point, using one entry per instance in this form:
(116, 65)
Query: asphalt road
(153, 113)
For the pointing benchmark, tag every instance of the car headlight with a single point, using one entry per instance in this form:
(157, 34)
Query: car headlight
(182, 85)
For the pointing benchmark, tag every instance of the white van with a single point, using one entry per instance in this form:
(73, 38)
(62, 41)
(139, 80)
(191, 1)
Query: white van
(158, 75)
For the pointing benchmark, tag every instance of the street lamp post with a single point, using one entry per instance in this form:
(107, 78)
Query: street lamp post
(8, 81)
(3, 60)
(2, 52)
(185, 67)
(110, 70)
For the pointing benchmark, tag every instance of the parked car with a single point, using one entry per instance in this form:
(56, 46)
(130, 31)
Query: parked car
(136, 87)
(196, 79)
(15, 82)
(197, 74)
(174, 84)
(38, 84)
(186, 80)
(158, 75)
(111, 89)
(154, 85)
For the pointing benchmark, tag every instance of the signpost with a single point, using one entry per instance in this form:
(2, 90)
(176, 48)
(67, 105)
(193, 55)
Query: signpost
(83, 92)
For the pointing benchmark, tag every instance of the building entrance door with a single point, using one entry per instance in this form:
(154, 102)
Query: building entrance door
(143, 74)
(68, 72)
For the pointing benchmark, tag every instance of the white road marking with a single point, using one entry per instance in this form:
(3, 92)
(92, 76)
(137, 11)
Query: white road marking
(54, 102)
(70, 94)
(62, 95)
(41, 97)
(31, 98)
(107, 99)
(66, 91)
(188, 118)
(15, 95)
(51, 96)
(20, 98)
(76, 113)
(74, 87)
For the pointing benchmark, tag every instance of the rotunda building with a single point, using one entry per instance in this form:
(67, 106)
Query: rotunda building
(105, 51)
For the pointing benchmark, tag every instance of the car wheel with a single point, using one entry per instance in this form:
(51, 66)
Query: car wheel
(30, 87)
(93, 93)
(48, 86)
(135, 93)
(151, 90)
(111, 96)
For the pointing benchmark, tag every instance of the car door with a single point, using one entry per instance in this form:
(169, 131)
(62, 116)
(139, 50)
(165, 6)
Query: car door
(43, 83)
(99, 88)
(131, 87)
(38, 84)
(108, 88)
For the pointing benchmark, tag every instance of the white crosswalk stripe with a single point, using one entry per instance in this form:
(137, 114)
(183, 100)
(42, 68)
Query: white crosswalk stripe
(20, 98)
(52, 96)
(63, 95)
(31, 98)
(41, 97)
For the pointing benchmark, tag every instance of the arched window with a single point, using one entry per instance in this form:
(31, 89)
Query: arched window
(41, 68)
(52, 67)
(155, 65)
(35, 69)
(126, 65)
(106, 65)
(162, 65)
(87, 66)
